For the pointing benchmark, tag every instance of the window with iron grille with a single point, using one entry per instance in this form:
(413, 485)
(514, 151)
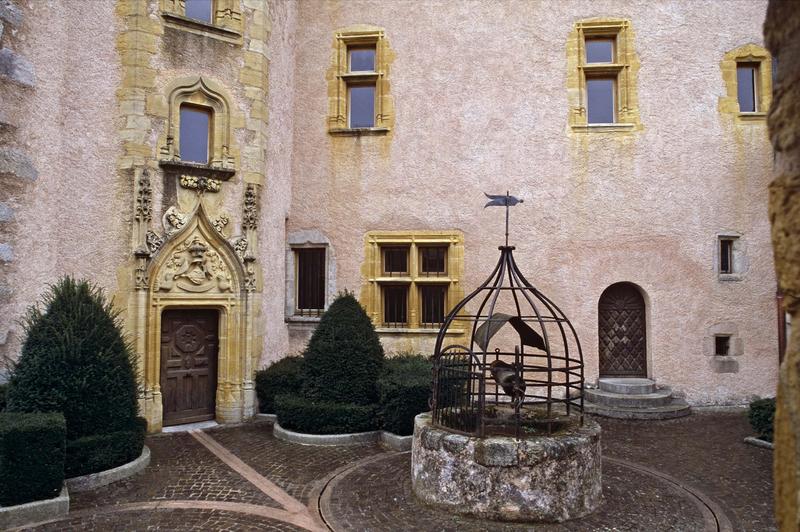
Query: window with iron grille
(411, 277)
(310, 281)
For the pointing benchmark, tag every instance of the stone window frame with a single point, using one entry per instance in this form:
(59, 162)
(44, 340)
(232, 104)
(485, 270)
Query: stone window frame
(729, 104)
(374, 278)
(625, 70)
(199, 92)
(739, 256)
(227, 20)
(340, 79)
(723, 364)
(307, 239)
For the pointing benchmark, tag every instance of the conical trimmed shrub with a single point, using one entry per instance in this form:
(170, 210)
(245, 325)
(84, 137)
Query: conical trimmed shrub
(75, 361)
(344, 357)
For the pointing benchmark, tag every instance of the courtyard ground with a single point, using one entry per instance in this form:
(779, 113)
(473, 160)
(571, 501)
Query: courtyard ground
(689, 474)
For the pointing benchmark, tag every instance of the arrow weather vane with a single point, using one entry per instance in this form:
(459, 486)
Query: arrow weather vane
(499, 200)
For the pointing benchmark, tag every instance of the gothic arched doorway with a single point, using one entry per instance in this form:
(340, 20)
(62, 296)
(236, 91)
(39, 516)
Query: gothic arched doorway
(622, 332)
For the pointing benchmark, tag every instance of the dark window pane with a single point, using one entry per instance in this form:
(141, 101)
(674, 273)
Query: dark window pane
(600, 100)
(310, 280)
(726, 256)
(722, 345)
(200, 10)
(362, 60)
(362, 106)
(195, 123)
(395, 260)
(432, 260)
(432, 298)
(745, 81)
(395, 305)
(599, 51)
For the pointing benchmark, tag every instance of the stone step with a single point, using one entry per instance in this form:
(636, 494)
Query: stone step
(625, 385)
(676, 408)
(602, 397)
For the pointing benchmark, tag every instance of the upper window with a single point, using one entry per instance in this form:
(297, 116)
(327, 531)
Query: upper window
(220, 19)
(361, 103)
(602, 76)
(730, 257)
(413, 278)
(195, 127)
(747, 72)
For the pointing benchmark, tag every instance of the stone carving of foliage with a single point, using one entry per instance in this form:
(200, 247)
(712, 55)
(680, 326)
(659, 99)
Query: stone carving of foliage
(240, 247)
(250, 215)
(173, 220)
(220, 223)
(153, 241)
(144, 194)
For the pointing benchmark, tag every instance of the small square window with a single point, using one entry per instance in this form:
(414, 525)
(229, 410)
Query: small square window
(310, 281)
(362, 105)
(599, 50)
(722, 345)
(600, 100)
(395, 305)
(432, 300)
(726, 255)
(747, 87)
(395, 260)
(432, 260)
(202, 10)
(361, 59)
(195, 127)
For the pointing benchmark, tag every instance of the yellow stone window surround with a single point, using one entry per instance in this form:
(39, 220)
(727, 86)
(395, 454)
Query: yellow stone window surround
(206, 94)
(748, 54)
(340, 79)
(376, 279)
(624, 70)
(226, 23)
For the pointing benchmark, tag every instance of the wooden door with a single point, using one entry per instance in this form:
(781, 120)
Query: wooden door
(622, 332)
(189, 346)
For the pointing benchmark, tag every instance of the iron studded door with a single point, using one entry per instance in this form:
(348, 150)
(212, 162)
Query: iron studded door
(623, 348)
(189, 344)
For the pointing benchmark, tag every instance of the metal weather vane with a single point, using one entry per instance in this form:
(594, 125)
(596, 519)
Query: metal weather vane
(499, 200)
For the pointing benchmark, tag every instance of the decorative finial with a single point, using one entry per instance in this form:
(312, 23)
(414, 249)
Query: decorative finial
(499, 200)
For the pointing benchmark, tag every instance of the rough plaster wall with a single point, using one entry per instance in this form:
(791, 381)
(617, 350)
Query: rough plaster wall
(277, 191)
(782, 32)
(68, 219)
(481, 105)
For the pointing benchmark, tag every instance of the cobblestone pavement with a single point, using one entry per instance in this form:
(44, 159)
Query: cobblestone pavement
(656, 476)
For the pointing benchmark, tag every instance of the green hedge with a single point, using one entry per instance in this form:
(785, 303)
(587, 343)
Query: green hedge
(404, 391)
(284, 376)
(762, 415)
(323, 417)
(31, 457)
(3, 392)
(91, 454)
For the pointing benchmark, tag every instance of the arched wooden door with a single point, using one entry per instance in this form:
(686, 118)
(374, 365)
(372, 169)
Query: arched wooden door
(622, 324)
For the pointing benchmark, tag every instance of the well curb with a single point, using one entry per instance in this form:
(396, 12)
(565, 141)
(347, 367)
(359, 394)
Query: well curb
(752, 440)
(102, 478)
(388, 439)
(35, 511)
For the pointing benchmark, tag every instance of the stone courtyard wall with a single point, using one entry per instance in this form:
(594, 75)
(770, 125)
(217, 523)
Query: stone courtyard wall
(481, 104)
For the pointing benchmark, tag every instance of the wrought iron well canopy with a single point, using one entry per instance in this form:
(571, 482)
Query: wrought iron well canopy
(518, 370)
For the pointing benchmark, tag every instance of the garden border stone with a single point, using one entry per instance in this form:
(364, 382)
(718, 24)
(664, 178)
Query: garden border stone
(35, 511)
(353, 438)
(395, 442)
(102, 478)
(758, 442)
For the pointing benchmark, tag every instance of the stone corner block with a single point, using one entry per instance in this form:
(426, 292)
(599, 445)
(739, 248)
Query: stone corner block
(36, 511)
(496, 452)
(6, 253)
(10, 13)
(6, 213)
(17, 164)
(16, 68)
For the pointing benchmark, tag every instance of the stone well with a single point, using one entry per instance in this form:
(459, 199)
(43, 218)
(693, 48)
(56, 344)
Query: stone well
(548, 478)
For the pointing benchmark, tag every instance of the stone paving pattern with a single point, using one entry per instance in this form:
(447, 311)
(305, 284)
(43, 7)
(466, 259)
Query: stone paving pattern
(704, 451)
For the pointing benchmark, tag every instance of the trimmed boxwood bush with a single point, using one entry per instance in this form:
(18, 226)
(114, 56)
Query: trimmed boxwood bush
(324, 417)
(75, 361)
(91, 454)
(3, 393)
(31, 457)
(762, 415)
(344, 357)
(404, 391)
(284, 376)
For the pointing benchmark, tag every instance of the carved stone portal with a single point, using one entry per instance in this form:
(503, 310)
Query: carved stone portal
(194, 267)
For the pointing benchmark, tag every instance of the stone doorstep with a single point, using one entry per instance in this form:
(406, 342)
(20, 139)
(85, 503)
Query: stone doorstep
(35, 512)
(604, 398)
(626, 385)
(678, 408)
(102, 478)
